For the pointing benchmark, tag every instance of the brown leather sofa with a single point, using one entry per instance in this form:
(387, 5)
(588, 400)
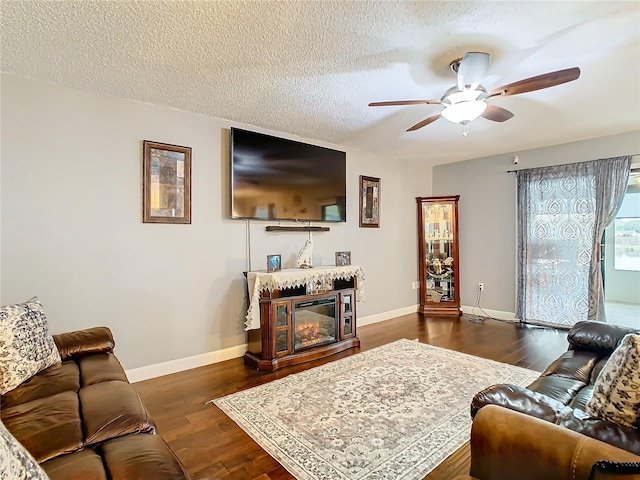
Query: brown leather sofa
(562, 391)
(507, 445)
(83, 420)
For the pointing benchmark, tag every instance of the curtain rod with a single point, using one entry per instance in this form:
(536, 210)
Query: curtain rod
(632, 155)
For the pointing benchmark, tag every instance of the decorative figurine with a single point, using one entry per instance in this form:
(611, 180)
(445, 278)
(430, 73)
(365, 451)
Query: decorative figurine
(304, 255)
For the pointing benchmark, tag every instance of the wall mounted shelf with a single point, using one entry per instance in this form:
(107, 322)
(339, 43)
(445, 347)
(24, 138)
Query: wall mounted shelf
(277, 228)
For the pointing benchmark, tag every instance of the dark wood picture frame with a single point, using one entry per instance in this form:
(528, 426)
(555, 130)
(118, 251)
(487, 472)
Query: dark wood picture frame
(343, 259)
(369, 202)
(166, 183)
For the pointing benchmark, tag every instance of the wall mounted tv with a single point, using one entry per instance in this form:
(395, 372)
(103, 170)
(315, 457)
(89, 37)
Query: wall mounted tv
(277, 179)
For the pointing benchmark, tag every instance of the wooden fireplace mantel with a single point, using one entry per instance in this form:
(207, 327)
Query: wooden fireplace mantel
(281, 298)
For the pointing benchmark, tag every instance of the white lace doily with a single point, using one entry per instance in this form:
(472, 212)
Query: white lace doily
(295, 277)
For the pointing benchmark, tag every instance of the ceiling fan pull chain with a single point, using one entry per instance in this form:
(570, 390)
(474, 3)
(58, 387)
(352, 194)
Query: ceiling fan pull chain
(465, 129)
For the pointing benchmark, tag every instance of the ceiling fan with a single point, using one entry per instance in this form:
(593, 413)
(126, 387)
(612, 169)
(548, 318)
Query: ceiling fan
(467, 100)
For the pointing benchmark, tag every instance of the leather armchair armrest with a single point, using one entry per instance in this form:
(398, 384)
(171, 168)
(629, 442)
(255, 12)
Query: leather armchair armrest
(509, 445)
(519, 399)
(627, 438)
(82, 342)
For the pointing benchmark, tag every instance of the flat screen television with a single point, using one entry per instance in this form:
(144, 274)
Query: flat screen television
(278, 179)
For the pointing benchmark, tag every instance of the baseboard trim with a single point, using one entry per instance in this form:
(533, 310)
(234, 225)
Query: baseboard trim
(195, 361)
(186, 363)
(487, 311)
(380, 317)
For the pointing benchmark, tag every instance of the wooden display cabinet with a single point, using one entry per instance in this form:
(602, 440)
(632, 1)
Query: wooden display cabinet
(298, 326)
(438, 255)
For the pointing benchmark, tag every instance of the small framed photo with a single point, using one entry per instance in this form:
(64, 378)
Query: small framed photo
(369, 202)
(343, 258)
(273, 263)
(166, 184)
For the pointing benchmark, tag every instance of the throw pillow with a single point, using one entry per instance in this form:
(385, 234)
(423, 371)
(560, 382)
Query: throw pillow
(25, 344)
(16, 463)
(616, 392)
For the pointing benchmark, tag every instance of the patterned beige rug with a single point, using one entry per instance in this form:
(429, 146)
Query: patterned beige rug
(393, 412)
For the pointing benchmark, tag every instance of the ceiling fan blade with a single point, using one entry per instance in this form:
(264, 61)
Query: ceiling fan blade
(539, 82)
(472, 69)
(404, 102)
(497, 114)
(424, 122)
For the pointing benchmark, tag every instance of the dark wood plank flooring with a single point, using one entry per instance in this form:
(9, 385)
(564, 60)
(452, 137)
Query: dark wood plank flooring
(211, 445)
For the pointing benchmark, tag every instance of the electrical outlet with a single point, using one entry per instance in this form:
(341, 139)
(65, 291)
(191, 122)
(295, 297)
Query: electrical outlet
(481, 286)
(415, 285)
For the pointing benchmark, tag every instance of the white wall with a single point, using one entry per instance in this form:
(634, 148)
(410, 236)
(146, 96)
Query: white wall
(72, 231)
(487, 210)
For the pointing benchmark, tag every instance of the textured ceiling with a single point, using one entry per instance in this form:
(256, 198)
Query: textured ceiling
(309, 68)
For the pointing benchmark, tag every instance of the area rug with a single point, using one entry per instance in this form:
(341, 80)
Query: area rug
(393, 412)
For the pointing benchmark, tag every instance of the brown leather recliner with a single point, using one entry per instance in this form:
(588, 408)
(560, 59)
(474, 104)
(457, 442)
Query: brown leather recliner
(562, 391)
(507, 445)
(83, 420)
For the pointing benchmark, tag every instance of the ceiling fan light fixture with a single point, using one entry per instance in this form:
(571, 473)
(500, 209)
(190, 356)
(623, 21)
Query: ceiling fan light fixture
(464, 112)
(466, 100)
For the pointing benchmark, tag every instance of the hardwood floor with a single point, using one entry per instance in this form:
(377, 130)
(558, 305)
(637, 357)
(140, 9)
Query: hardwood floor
(211, 445)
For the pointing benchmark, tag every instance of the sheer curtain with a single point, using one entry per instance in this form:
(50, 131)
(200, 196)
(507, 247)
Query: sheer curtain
(562, 213)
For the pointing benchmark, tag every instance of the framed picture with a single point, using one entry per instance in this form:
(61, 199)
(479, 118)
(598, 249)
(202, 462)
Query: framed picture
(166, 184)
(273, 263)
(343, 258)
(369, 202)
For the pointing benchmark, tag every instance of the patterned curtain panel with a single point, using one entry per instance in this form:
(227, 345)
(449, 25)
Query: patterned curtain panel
(562, 213)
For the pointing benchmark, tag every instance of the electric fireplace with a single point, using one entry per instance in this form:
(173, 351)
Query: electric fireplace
(299, 324)
(315, 323)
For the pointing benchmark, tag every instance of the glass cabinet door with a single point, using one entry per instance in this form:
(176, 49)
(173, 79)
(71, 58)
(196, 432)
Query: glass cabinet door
(347, 314)
(438, 242)
(281, 313)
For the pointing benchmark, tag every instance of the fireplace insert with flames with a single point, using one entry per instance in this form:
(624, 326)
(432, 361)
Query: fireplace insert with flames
(315, 323)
